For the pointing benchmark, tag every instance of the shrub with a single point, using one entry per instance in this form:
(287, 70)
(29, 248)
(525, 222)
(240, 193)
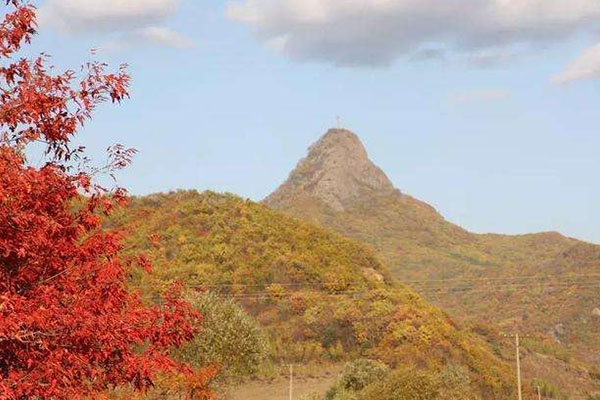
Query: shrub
(356, 376)
(547, 389)
(310, 396)
(402, 384)
(230, 338)
(360, 373)
(454, 383)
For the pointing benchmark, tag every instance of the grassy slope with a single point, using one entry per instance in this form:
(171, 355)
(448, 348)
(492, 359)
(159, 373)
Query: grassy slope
(335, 300)
(277, 387)
(418, 244)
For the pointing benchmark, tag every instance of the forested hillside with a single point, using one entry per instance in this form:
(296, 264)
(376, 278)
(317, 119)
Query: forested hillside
(544, 285)
(320, 297)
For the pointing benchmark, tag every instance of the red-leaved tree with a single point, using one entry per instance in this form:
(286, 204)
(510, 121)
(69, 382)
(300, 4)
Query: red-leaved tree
(68, 325)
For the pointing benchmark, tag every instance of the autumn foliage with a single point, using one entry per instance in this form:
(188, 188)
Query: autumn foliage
(69, 326)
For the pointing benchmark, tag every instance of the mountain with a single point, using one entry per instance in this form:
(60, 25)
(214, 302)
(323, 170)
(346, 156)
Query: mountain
(320, 297)
(544, 285)
(337, 172)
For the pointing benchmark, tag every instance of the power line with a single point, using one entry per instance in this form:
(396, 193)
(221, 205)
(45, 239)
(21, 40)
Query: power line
(535, 285)
(270, 295)
(430, 287)
(405, 282)
(524, 277)
(259, 295)
(542, 285)
(285, 284)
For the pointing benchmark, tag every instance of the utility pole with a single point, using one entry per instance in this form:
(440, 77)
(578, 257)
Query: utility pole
(291, 379)
(518, 366)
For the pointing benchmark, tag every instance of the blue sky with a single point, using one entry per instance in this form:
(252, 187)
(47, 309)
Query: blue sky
(497, 130)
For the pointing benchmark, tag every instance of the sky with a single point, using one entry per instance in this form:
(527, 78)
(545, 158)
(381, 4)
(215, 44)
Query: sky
(486, 109)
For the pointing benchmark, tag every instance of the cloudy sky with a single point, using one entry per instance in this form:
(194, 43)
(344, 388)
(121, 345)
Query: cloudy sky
(487, 109)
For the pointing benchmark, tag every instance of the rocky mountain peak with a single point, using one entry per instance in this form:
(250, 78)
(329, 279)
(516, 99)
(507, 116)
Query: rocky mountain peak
(337, 171)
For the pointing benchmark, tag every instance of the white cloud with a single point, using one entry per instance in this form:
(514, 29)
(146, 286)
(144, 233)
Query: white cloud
(377, 32)
(478, 95)
(152, 35)
(586, 66)
(136, 21)
(427, 54)
(490, 57)
(166, 37)
(103, 15)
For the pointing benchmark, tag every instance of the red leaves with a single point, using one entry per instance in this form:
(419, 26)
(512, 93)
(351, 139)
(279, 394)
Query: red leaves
(144, 263)
(37, 106)
(68, 325)
(17, 27)
(154, 240)
(120, 156)
(64, 304)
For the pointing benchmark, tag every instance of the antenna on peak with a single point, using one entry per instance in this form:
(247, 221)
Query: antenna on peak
(338, 122)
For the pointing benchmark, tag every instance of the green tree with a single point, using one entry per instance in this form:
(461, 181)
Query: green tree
(403, 384)
(454, 383)
(360, 373)
(355, 377)
(231, 338)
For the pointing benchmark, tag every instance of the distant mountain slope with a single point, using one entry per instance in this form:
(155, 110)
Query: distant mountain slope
(319, 296)
(543, 284)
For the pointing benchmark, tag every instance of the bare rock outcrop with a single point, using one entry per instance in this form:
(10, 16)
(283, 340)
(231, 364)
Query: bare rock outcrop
(337, 171)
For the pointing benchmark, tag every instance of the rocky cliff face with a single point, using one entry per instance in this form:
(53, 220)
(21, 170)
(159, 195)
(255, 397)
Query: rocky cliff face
(337, 171)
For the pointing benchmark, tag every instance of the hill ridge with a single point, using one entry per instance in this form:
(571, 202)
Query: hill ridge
(259, 257)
